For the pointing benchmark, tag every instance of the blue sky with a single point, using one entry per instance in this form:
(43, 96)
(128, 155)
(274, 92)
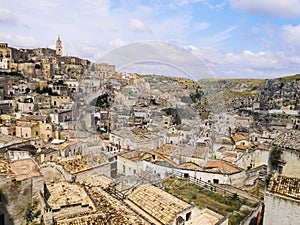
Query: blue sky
(235, 38)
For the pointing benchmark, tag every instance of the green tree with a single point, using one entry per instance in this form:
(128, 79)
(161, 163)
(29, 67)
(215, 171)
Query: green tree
(102, 101)
(31, 213)
(275, 156)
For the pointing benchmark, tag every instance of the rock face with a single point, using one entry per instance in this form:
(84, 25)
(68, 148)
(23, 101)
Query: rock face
(280, 93)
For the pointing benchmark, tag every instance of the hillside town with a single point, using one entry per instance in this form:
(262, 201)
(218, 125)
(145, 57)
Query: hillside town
(81, 143)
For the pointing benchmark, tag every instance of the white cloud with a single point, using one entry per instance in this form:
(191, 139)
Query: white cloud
(138, 26)
(291, 35)
(19, 41)
(117, 43)
(248, 63)
(223, 35)
(282, 8)
(207, 3)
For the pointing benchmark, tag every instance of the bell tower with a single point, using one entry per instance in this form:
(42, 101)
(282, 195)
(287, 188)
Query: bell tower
(58, 47)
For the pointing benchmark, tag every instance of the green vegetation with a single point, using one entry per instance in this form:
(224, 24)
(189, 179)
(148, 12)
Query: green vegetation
(202, 197)
(173, 112)
(289, 78)
(31, 213)
(275, 156)
(102, 101)
(200, 99)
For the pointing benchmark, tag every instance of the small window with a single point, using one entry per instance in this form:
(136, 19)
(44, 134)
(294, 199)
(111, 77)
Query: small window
(188, 216)
(216, 181)
(280, 168)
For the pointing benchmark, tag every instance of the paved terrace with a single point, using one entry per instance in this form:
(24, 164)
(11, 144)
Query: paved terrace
(19, 170)
(285, 186)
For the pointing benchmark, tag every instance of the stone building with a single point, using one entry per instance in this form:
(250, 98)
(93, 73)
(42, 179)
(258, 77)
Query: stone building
(58, 101)
(282, 201)
(289, 164)
(8, 55)
(27, 129)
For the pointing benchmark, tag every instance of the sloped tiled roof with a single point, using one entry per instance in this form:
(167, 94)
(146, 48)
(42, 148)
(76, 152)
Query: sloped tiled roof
(157, 203)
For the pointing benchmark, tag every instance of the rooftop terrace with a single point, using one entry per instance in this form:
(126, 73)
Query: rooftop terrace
(285, 186)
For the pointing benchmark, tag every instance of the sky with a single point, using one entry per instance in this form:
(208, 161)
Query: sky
(234, 38)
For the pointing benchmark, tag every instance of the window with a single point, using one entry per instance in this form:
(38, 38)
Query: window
(280, 168)
(124, 168)
(216, 181)
(188, 216)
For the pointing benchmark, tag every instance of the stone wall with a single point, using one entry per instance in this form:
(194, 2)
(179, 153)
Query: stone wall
(279, 210)
(292, 166)
(261, 157)
(44, 168)
(16, 194)
(97, 170)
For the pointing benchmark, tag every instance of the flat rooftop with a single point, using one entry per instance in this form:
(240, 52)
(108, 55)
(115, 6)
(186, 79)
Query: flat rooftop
(76, 165)
(156, 203)
(96, 181)
(285, 186)
(7, 139)
(24, 169)
(208, 217)
(64, 194)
